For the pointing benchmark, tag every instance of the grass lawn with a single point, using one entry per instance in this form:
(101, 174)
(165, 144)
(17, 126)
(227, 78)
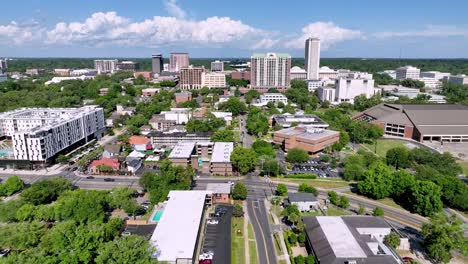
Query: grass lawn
(464, 165)
(237, 243)
(336, 212)
(279, 251)
(384, 145)
(319, 183)
(386, 201)
(311, 213)
(252, 245)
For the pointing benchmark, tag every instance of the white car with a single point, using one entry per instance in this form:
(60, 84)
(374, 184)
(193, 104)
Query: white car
(212, 222)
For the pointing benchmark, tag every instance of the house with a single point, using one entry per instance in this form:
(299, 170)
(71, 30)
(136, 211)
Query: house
(111, 151)
(104, 165)
(145, 130)
(133, 165)
(122, 110)
(221, 192)
(148, 92)
(304, 201)
(139, 143)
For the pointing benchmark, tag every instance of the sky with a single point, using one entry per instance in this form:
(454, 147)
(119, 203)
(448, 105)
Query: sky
(227, 29)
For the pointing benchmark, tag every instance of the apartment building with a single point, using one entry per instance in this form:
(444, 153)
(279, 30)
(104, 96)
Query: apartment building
(217, 66)
(170, 139)
(310, 139)
(127, 66)
(270, 70)
(157, 64)
(191, 78)
(105, 66)
(33, 72)
(214, 80)
(177, 61)
(39, 134)
(407, 72)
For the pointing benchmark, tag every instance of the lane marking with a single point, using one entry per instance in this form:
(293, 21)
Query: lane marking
(262, 232)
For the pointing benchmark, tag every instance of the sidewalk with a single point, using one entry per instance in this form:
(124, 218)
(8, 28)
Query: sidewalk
(54, 170)
(246, 233)
(285, 256)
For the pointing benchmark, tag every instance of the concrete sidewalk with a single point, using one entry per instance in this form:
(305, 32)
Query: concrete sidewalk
(52, 171)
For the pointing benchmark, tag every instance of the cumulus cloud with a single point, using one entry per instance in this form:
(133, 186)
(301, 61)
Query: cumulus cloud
(328, 32)
(265, 43)
(174, 9)
(110, 28)
(20, 33)
(428, 31)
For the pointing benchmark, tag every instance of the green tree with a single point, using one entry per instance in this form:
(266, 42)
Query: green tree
(377, 182)
(378, 211)
(393, 239)
(297, 155)
(299, 259)
(237, 210)
(361, 210)
(281, 189)
(239, 192)
(442, 236)
(233, 105)
(304, 187)
(270, 167)
(257, 122)
(344, 202)
(263, 148)
(402, 182)
(398, 157)
(425, 198)
(81, 206)
(223, 136)
(243, 159)
(333, 197)
(126, 249)
(21, 236)
(45, 191)
(12, 185)
(62, 159)
(26, 212)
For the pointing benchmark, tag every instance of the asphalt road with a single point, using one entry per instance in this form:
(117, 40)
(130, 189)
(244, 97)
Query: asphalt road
(246, 138)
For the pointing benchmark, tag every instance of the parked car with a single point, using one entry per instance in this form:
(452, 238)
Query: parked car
(212, 222)
(90, 177)
(109, 180)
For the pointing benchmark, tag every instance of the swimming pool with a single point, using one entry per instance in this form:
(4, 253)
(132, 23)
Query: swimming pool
(157, 216)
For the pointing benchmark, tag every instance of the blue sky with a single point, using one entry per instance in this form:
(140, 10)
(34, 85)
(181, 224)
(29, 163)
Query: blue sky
(209, 28)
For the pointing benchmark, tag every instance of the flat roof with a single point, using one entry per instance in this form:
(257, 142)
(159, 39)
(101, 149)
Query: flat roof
(175, 236)
(301, 197)
(219, 187)
(182, 150)
(307, 133)
(222, 152)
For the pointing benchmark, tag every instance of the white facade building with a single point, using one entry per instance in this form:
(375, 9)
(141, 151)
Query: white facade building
(61, 79)
(40, 133)
(312, 58)
(312, 85)
(273, 97)
(217, 66)
(459, 79)
(346, 89)
(325, 73)
(270, 70)
(435, 74)
(430, 82)
(105, 66)
(407, 72)
(326, 94)
(178, 61)
(391, 73)
(298, 73)
(214, 80)
(87, 72)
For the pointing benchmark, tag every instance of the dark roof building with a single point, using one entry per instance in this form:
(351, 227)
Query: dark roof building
(349, 239)
(301, 197)
(421, 122)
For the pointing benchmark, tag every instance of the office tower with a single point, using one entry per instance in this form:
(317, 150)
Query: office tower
(157, 63)
(127, 66)
(191, 78)
(178, 61)
(3, 65)
(217, 66)
(105, 66)
(312, 58)
(270, 70)
(407, 72)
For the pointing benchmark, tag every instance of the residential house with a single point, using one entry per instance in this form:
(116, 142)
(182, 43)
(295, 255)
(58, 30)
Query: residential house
(104, 165)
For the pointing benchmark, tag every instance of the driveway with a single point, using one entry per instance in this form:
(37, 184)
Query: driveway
(218, 237)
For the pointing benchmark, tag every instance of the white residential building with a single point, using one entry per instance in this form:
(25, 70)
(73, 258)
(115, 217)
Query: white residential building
(430, 82)
(270, 70)
(105, 66)
(273, 97)
(61, 79)
(87, 72)
(435, 74)
(40, 133)
(312, 85)
(214, 80)
(459, 79)
(325, 73)
(312, 58)
(297, 73)
(346, 89)
(217, 66)
(407, 72)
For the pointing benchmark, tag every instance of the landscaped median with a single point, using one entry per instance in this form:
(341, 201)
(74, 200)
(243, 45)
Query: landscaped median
(238, 243)
(317, 183)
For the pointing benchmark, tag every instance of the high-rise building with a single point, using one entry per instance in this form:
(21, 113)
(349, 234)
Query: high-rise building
(3, 65)
(127, 66)
(157, 63)
(214, 80)
(178, 61)
(270, 70)
(312, 58)
(191, 78)
(407, 72)
(40, 133)
(105, 66)
(217, 66)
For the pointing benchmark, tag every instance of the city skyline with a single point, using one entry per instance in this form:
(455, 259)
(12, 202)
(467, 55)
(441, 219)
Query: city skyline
(367, 30)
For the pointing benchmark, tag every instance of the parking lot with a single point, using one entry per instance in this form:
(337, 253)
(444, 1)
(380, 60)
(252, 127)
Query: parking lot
(315, 166)
(218, 237)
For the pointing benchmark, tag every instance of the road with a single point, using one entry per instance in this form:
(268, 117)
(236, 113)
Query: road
(245, 137)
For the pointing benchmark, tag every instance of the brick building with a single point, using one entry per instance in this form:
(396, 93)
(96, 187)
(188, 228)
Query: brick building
(310, 139)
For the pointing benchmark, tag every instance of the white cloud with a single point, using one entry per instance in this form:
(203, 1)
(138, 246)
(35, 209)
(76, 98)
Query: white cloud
(328, 32)
(428, 31)
(265, 43)
(174, 9)
(110, 28)
(20, 33)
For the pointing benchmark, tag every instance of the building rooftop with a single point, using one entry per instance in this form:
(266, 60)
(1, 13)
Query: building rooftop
(301, 197)
(271, 55)
(183, 150)
(297, 69)
(138, 140)
(113, 163)
(222, 152)
(311, 133)
(176, 234)
(286, 120)
(219, 188)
